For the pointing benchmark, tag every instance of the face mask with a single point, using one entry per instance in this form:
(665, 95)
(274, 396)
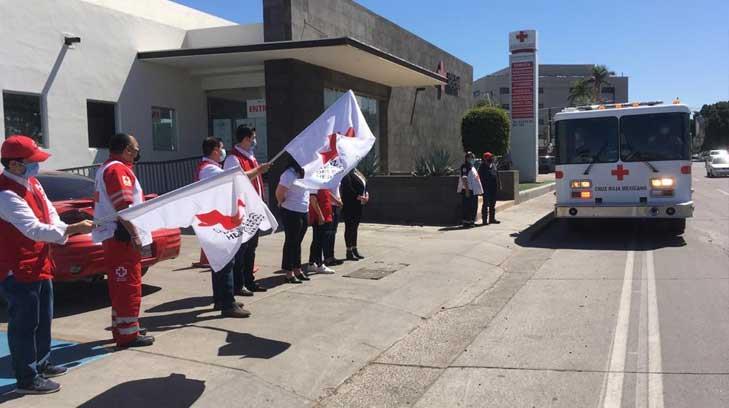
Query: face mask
(254, 143)
(31, 170)
(223, 155)
(471, 161)
(139, 156)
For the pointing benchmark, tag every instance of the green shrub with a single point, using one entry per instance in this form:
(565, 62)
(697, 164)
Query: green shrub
(485, 129)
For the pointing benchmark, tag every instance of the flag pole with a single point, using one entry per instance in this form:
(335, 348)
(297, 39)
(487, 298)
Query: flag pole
(277, 156)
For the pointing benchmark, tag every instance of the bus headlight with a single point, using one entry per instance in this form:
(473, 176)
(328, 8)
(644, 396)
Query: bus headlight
(663, 182)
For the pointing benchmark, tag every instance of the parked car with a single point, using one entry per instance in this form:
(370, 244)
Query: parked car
(81, 258)
(718, 166)
(697, 157)
(713, 153)
(547, 164)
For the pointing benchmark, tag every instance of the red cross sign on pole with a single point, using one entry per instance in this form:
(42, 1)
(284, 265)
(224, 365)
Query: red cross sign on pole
(522, 36)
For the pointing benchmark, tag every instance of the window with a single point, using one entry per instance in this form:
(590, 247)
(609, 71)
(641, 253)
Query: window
(655, 137)
(505, 106)
(593, 140)
(164, 129)
(476, 93)
(101, 118)
(23, 115)
(541, 90)
(608, 90)
(541, 122)
(504, 91)
(541, 105)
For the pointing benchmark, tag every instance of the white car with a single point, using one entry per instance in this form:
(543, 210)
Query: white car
(717, 166)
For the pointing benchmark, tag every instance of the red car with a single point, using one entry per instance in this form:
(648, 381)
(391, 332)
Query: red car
(81, 258)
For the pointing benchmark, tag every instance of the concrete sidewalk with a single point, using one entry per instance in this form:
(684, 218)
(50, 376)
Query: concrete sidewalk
(322, 342)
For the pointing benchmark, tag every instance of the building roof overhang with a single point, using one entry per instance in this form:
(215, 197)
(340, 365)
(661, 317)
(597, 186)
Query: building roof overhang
(343, 54)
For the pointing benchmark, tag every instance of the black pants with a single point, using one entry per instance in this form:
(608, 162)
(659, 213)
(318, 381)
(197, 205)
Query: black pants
(295, 225)
(488, 208)
(321, 247)
(249, 262)
(335, 226)
(223, 294)
(351, 226)
(30, 311)
(239, 267)
(470, 207)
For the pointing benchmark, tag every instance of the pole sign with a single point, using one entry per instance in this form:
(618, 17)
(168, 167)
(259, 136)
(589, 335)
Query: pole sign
(524, 81)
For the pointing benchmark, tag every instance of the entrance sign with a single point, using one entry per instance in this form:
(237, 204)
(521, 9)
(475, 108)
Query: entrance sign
(256, 108)
(524, 79)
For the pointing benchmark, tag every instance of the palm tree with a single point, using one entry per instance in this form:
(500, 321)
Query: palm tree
(580, 93)
(598, 77)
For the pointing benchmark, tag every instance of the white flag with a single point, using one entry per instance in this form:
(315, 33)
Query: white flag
(224, 210)
(332, 145)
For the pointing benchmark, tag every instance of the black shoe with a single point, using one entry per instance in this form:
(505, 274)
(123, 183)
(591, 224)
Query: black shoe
(357, 254)
(303, 277)
(235, 312)
(140, 341)
(258, 288)
(495, 222)
(333, 262)
(351, 256)
(39, 385)
(243, 292)
(50, 371)
(216, 307)
(292, 279)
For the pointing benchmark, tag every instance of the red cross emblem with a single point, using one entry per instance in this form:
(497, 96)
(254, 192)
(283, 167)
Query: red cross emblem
(522, 36)
(620, 172)
(330, 154)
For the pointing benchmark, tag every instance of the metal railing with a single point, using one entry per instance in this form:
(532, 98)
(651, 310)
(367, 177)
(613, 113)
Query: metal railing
(155, 177)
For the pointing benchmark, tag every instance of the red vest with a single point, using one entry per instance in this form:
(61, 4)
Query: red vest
(200, 165)
(248, 164)
(29, 261)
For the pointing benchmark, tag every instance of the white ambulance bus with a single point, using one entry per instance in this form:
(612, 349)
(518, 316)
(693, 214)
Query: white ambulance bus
(628, 160)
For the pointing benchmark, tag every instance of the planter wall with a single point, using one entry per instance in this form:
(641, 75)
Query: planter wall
(412, 200)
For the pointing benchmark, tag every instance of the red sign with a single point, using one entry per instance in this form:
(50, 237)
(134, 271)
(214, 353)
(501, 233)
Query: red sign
(522, 90)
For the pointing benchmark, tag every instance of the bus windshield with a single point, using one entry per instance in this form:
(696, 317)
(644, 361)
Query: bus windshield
(655, 137)
(590, 140)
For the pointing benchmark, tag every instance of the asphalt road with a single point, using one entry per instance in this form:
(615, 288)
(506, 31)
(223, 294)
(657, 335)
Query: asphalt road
(617, 315)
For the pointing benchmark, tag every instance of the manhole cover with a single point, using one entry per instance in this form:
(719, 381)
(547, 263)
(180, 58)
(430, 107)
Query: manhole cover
(376, 271)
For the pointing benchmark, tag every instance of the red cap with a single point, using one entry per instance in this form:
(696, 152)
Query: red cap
(487, 155)
(23, 147)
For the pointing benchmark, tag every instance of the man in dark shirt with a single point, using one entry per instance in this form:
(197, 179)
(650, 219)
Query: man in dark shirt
(489, 176)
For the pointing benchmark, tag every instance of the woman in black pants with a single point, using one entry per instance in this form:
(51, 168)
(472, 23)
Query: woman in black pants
(294, 204)
(354, 196)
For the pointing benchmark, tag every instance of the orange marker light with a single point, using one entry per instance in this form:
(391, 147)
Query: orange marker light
(585, 194)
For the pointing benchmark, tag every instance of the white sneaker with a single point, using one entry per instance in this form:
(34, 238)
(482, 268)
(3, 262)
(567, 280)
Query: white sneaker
(324, 270)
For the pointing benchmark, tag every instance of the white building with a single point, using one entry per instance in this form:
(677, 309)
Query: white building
(74, 72)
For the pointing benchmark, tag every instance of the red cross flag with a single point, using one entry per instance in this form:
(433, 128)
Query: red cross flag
(332, 145)
(224, 210)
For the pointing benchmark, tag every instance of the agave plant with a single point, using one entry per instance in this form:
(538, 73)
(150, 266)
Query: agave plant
(436, 163)
(370, 164)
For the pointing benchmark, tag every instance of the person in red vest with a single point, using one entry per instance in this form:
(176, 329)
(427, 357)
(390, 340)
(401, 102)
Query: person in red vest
(242, 155)
(117, 188)
(320, 218)
(28, 223)
(223, 290)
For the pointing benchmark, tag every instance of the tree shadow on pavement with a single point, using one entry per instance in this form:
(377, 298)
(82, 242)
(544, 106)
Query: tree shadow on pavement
(601, 235)
(175, 391)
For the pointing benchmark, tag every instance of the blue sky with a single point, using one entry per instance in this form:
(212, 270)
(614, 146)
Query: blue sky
(668, 48)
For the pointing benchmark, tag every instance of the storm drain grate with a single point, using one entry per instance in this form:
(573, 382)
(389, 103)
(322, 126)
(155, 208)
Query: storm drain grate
(377, 271)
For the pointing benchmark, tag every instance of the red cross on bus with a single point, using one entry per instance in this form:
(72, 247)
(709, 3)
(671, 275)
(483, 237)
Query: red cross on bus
(620, 172)
(522, 36)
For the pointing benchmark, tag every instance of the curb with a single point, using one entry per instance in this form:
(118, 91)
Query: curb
(535, 192)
